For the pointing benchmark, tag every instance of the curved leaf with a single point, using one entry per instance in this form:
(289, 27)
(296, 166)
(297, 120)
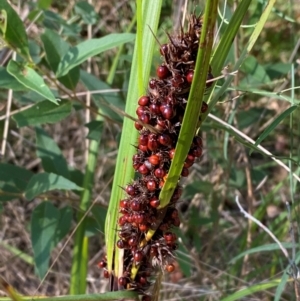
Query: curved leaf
(80, 53)
(12, 30)
(43, 182)
(30, 79)
(43, 112)
(44, 222)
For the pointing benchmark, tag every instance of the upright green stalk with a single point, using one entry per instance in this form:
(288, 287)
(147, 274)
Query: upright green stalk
(124, 172)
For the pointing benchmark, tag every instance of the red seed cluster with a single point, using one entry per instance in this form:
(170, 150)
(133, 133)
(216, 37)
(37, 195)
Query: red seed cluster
(163, 109)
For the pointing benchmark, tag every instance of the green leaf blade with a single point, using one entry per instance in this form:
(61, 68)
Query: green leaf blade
(44, 182)
(52, 159)
(80, 53)
(30, 79)
(43, 226)
(43, 112)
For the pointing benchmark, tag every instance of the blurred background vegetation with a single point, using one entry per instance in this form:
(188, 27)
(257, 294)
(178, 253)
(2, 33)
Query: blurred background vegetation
(213, 232)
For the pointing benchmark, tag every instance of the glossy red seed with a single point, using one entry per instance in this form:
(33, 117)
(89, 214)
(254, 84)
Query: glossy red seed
(164, 49)
(151, 185)
(130, 190)
(204, 107)
(144, 100)
(160, 173)
(170, 268)
(135, 205)
(167, 111)
(187, 164)
(102, 264)
(172, 153)
(197, 152)
(197, 141)
(170, 236)
(185, 172)
(154, 202)
(121, 244)
(143, 227)
(140, 218)
(145, 118)
(122, 220)
(143, 148)
(154, 108)
(142, 280)
(189, 76)
(136, 165)
(143, 169)
(138, 256)
(124, 203)
(130, 218)
(152, 145)
(143, 139)
(138, 126)
(162, 72)
(154, 159)
(132, 242)
(165, 140)
(140, 111)
(105, 274)
(122, 281)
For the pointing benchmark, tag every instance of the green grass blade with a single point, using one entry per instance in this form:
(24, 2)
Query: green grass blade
(251, 290)
(80, 250)
(274, 124)
(124, 171)
(191, 116)
(256, 32)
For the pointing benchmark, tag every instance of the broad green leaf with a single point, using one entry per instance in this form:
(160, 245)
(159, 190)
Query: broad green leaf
(30, 79)
(44, 182)
(86, 12)
(12, 30)
(103, 100)
(274, 124)
(15, 175)
(35, 51)
(55, 48)
(80, 53)
(43, 112)
(7, 81)
(63, 225)
(255, 73)
(44, 222)
(52, 157)
(13, 181)
(95, 129)
(197, 187)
